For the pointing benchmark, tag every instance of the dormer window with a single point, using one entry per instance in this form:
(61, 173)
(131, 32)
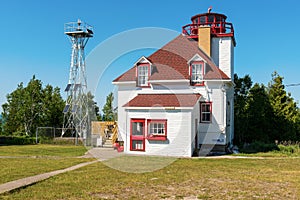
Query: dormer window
(143, 73)
(197, 72)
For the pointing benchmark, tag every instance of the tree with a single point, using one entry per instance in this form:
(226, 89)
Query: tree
(32, 106)
(1, 132)
(298, 126)
(24, 106)
(52, 106)
(264, 114)
(286, 113)
(109, 113)
(93, 108)
(259, 115)
(242, 87)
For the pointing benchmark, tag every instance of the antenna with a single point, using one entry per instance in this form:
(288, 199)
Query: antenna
(76, 111)
(294, 84)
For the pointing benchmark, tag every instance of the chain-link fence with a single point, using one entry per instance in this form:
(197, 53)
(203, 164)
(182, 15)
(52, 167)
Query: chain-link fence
(52, 135)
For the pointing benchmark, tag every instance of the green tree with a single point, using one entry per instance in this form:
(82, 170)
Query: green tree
(242, 87)
(259, 115)
(1, 123)
(10, 114)
(52, 106)
(286, 112)
(298, 126)
(109, 113)
(264, 114)
(24, 106)
(93, 108)
(32, 106)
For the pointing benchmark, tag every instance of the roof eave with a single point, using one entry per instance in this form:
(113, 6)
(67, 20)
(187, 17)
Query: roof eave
(158, 108)
(124, 82)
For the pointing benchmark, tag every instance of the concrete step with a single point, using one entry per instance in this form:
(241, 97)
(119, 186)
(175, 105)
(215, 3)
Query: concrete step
(108, 142)
(107, 146)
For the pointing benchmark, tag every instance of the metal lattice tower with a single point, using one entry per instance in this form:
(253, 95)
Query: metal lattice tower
(76, 112)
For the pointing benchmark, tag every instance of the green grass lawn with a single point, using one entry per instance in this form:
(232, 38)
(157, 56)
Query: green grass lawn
(28, 160)
(276, 178)
(42, 150)
(17, 168)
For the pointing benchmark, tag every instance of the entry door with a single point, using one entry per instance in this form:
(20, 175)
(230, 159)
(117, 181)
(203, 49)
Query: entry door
(137, 135)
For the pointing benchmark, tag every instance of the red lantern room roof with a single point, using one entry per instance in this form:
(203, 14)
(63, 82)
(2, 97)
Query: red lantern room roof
(217, 22)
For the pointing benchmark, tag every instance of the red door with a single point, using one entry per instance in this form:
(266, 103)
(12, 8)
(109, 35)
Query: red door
(137, 135)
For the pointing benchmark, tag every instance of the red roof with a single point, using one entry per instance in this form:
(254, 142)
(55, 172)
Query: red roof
(163, 100)
(170, 62)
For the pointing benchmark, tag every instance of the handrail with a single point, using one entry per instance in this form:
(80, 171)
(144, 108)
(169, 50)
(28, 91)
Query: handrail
(218, 28)
(75, 27)
(114, 137)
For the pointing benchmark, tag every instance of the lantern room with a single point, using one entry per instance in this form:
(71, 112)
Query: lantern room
(217, 23)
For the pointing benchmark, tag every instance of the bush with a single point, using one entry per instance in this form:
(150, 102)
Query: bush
(290, 149)
(256, 147)
(59, 141)
(19, 134)
(17, 140)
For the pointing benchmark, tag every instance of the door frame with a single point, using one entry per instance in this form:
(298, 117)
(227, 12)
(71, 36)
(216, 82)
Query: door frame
(135, 137)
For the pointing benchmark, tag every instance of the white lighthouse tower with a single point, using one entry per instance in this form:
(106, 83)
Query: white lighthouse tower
(76, 111)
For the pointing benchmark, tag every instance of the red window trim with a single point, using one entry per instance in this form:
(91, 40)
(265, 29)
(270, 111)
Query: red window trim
(190, 68)
(210, 107)
(138, 138)
(137, 74)
(157, 137)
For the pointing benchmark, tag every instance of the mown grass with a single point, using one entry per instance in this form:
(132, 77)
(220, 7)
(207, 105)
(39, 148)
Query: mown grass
(42, 150)
(17, 168)
(28, 160)
(185, 178)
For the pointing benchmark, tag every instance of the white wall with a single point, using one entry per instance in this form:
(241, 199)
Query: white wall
(230, 125)
(214, 132)
(125, 94)
(183, 123)
(195, 117)
(223, 54)
(178, 133)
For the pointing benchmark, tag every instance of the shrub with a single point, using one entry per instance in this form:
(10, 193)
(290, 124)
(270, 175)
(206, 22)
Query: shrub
(18, 134)
(290, 149)
(257, 146)
(60, 141)
(17, 140)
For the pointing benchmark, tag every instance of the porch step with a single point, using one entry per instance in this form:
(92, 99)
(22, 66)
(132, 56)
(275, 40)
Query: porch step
(108, 144)
(211, 149)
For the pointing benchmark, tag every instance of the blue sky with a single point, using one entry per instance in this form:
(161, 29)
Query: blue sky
(33, 40)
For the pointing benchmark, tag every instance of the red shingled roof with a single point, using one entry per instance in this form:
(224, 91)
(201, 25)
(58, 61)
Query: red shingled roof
(170, 62)
(163, 100)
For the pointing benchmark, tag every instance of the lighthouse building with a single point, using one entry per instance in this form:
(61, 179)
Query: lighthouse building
(179, 100)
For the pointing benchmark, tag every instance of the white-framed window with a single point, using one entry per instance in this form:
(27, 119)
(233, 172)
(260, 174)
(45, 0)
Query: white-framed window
(143, 72)
(205, 112)
(157, 129)
(197, 73)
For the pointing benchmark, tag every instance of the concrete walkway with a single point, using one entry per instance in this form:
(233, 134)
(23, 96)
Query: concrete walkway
(100, 154)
